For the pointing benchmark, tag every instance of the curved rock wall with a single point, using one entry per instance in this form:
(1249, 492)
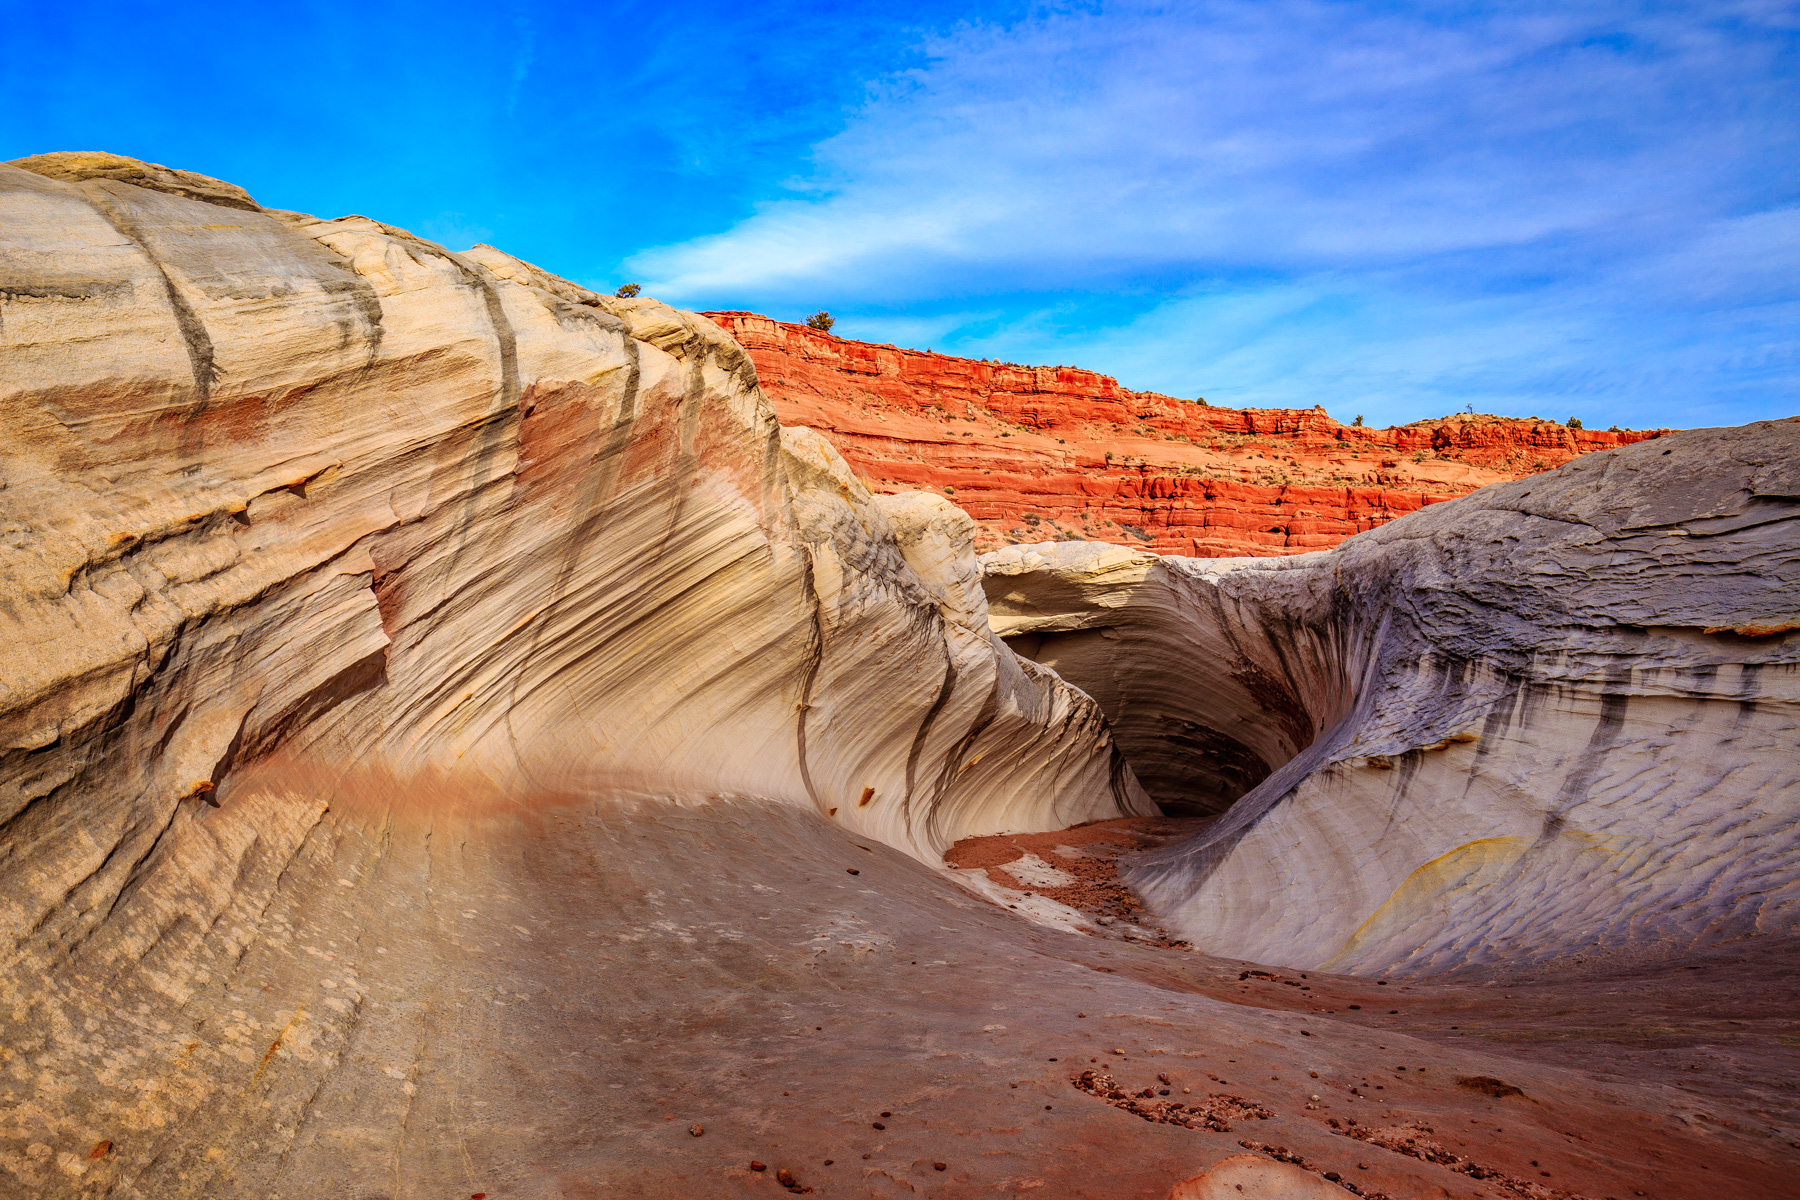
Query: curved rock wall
(317, 542)
(1556, 717)
(321, 488)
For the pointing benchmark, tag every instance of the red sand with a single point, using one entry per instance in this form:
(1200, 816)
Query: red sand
(1719, 1031)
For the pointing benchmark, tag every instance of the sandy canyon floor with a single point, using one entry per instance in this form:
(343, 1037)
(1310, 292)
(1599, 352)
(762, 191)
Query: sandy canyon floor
(740, 983)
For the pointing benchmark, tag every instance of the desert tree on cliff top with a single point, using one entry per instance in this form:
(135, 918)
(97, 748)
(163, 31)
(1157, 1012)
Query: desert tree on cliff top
(627, 291)
(822, 321)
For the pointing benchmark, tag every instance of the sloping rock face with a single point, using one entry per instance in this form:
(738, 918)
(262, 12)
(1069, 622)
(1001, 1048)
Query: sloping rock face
(334, 566)
(1556, 718)
(1036, 452)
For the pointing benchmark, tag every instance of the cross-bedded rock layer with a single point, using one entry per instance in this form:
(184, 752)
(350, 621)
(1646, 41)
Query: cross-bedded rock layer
(1035, 452)
(314, 524)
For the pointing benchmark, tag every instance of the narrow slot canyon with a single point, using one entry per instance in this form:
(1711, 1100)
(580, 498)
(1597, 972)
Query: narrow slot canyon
(1207, 696)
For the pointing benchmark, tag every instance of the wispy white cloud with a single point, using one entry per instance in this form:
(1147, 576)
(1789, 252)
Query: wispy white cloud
(1439, 198)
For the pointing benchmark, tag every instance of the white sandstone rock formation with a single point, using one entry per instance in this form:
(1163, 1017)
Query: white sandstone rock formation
(1557, 717)
(292, 505)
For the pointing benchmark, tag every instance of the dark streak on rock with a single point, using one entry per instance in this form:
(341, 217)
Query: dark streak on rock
(193, 331)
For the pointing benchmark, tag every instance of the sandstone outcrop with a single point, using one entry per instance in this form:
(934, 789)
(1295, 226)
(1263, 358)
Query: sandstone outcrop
(1253, 1175)
(1036, 452)
(1554, 718)
(322, 488)
(315, 531)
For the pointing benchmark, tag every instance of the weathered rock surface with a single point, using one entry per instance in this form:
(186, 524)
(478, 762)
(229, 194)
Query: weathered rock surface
(321, 488)
(1253, 1175)
(312, 531)
(1555, 718)
(1035, 452)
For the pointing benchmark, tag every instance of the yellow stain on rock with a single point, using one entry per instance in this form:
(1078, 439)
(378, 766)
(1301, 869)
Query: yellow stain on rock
(1471, 865)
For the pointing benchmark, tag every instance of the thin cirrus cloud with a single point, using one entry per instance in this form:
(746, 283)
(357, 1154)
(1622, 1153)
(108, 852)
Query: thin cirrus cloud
(1394, 208)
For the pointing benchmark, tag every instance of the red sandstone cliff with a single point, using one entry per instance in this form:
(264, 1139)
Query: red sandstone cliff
(1058, 452)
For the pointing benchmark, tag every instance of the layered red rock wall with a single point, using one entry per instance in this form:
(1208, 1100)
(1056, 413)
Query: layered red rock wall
(1035, 453)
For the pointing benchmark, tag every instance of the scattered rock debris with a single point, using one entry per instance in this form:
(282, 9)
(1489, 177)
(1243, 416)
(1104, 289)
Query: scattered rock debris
(1086, 855)
(1410, 1140)
(786, 1179)
(1283, 1154)
(1214, 1113)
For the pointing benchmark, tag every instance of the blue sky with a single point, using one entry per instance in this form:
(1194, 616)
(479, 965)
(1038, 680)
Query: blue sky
(1397, 210)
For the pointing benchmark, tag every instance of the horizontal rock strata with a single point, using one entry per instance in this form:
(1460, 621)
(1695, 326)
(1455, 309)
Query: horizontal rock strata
(1035, 452)
(1554, 718)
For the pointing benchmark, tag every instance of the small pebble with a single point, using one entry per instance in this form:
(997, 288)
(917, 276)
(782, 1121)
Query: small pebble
(940, 1166)
(878, 1125)
(756, 1166)
(853, 870)
(696, 1130)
